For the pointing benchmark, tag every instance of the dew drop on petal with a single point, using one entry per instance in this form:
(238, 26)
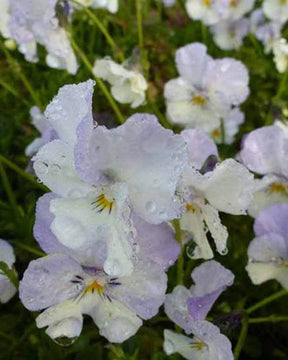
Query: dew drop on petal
(65, 341)
(41, 168)
(169, 347)
(150, 206)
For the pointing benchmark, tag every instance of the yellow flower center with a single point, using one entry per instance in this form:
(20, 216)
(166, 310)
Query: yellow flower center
(282, 2)
(233, 3)
(216, 133)
(94, 286)
(102, 203)
(207, 3)
(190, 207)
(279, 188)
(199, 100)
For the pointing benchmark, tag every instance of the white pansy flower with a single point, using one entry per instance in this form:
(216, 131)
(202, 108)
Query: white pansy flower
(280, 51)
(127, 86)
(229, 35)
(206, 88)
(276, 10)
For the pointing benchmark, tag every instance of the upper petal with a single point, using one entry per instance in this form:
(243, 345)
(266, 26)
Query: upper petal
(69, 107)
(261, 150)
(272, 219)
(145, 156)
(200, 146)
(229, 77)
(229, 188)
(192, 62)
(47, 281)
(54, 166)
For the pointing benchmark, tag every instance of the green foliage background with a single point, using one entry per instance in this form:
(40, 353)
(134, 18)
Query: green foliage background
(165, 30)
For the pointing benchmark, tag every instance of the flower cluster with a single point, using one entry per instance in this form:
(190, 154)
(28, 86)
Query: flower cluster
(104, 225)
(208, 93)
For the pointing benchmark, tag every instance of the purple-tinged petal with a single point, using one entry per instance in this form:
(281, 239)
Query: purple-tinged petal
(273, 219)
(48, 281)
(157, 242)
(205, 293)
(69, 107)
(192, 62)
(145, 156)
(200, 146)
(143, 291)
(229, 77)
(261, 150)
(176, 307)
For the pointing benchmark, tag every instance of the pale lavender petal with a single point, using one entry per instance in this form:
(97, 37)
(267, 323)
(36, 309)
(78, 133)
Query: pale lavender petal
(219, 346)
(229, 77)
(143, 291)
(211, 279)
(272, 219)
(157, 242)
(200, 146)
(176, 307)
(145, 156)
(69, 107)
(198, 307)
(192, 62)
(48, 281)
(261, 150)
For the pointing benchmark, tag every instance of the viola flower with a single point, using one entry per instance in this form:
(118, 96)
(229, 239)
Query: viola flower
(268, 251)
(127, 86)
(110, 5)
(280, 51)
(97, 206)
(230, 128)
(188, 309)
(264, 152)
(276, 10)
(229, 35)
(71, 282)
(208, 11)
(266, 32)
(236, 9)
(7, 289)
(47, 132)
(36, 22)
(199, 98)
(207, 188)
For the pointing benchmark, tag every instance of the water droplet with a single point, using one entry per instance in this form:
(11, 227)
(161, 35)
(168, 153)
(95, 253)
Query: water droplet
(169, 347)
(150, 206)
(65, 341)
(41, 168)
(224, 251)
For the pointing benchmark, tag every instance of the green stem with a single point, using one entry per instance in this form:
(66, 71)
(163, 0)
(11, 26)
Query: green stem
(16, 68)
(223, 133)
(13, 91)
(28, 248)
(204, 33)
(140, 25)
(22, 173)
(160, 117)
(180, 261)
(266, 301)
(282, 86)
(8, 190)
(98, 80)
(102, 28)
(242, 337)
(268, 319)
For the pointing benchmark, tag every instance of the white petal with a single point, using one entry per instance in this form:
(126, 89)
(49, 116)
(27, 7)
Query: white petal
(54, 166)
(71, 105)
(115, 321)
(229, 188)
